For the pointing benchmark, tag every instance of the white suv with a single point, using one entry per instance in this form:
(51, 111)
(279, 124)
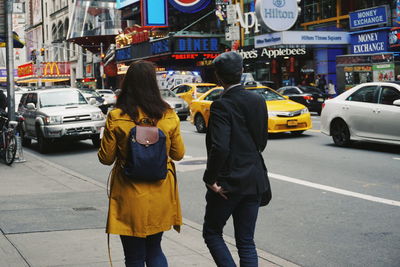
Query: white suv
(52, 114)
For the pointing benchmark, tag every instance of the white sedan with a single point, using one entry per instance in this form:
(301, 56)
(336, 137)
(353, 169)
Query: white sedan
(367, 112)
(108, 95)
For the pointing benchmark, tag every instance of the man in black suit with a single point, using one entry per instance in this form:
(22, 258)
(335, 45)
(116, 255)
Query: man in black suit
(236, 176)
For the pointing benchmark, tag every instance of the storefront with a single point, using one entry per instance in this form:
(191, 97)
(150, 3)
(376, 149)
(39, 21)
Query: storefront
(47, 72)
(190, 53)
(355, 69)
(285, 65)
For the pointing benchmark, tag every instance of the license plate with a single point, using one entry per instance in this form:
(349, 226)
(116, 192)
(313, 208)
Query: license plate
(320, 100)
(292, 123)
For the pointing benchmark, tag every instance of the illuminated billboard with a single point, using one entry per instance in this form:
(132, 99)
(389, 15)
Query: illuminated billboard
(124, 3)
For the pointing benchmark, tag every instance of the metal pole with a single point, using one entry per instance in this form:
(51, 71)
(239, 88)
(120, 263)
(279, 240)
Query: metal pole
(10, 62)
(101, 66)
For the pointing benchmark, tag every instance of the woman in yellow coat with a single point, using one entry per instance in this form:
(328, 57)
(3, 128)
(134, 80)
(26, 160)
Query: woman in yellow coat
(141, 211)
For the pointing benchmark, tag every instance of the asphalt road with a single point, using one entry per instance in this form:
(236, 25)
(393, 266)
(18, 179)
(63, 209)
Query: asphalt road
(331, 206)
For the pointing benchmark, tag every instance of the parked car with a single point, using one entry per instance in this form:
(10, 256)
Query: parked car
(283, 115)
(109, 96)
(97, 101)
(190, 91)
(309, 96)
(367, 112)
(53, 114)
(178, 104)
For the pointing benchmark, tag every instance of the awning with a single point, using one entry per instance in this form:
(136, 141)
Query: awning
(17, 42)
(36, 80)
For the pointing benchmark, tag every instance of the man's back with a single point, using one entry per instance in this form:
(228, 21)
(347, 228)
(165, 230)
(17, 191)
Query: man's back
(236, 135)
(3, 100)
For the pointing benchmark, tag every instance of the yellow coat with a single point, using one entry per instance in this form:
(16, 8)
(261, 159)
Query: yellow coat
(139, 208)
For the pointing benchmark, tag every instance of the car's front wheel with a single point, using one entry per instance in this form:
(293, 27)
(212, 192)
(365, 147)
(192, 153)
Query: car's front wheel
(340, 133)
(200, 124)
(43, 143)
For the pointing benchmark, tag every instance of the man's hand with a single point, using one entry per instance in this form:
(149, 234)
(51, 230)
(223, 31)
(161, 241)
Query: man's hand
(218, 189)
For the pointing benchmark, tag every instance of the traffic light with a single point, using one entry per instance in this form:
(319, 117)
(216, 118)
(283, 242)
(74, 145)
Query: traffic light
(42, 51)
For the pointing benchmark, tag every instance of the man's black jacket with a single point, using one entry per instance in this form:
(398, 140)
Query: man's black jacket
(237, 133)
(3, 100)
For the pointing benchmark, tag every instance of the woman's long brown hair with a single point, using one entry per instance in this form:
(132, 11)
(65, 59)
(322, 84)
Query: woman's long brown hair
(140, 90)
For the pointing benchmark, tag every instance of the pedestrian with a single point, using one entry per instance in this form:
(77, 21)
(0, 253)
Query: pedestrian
(3, 101)
(322, 83)
(235, 176)
(331, 89)
(141, 211)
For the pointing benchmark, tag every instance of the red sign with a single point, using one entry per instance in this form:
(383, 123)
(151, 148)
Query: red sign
(195, 56)
(25, 70)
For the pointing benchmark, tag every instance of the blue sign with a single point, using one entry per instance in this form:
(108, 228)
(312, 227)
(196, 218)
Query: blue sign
(160, 47)
(369, 42)
(124, 3)
(369, 17)
(123, 54)
(196, 45)
(154, 13)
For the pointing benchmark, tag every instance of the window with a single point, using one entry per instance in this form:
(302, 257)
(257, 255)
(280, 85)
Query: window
(292, 91)
(182, 89)
(366, 94)
(203, 89)
(214, 95)
(389, 95)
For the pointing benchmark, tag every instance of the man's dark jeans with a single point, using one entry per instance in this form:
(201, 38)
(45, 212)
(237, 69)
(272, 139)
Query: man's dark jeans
(244, 210)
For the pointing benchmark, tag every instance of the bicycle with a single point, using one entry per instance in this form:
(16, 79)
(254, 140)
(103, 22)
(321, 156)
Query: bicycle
(8, 141)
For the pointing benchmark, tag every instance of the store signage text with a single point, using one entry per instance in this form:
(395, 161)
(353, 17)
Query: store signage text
(277, 15)
(271, 53)
(196, 44)
(25, 70)
(301, 38)
(123, 54)
(369, 17)
(371, 42)
(247, 20)
(194, 56)
(160, 47)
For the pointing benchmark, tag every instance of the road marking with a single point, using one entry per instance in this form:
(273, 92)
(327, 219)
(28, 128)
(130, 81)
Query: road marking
(316, 131)
(334, 190)
(396, 158)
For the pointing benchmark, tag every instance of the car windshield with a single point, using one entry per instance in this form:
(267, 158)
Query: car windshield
(202, 89)
(310, 89)
(61, 98)
(91, 92)
(166, 93)
(268, 94)
(105, 92)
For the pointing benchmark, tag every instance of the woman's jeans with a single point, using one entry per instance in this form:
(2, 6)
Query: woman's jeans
(244, 210)
(139, 251)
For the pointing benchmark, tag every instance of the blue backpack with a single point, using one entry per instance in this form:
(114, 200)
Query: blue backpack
(147, 154)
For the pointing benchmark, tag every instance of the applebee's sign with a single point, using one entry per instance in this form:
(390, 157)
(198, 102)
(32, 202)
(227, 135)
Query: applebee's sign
(277, 15)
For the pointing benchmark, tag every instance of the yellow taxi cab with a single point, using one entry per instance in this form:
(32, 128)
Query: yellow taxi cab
(190, 91)
(284, 115)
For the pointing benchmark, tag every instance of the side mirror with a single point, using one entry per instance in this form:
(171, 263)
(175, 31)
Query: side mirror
(92, 101)
(31, 106)
(396, 102)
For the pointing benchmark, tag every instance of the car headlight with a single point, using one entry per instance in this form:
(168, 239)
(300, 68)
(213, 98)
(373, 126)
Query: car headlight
(304, 111)
(97, 116)
(272, 114)
(53, 119)
(105, 102)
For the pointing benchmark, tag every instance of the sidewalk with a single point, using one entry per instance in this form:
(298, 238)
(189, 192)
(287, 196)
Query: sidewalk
(52, 216)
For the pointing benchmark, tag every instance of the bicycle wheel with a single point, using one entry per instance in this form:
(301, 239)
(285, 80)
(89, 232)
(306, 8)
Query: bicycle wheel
(11, 149)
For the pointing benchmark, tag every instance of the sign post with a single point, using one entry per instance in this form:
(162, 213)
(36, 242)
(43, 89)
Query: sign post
(10, 62)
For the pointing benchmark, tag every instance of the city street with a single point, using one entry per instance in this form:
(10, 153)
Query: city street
(331, 206)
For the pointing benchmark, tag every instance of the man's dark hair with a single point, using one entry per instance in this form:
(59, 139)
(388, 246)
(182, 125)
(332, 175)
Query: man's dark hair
(229, 78)
(140, 90)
